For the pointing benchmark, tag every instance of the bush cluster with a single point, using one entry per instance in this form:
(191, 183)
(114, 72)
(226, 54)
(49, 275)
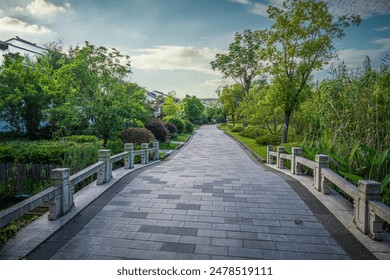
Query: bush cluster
(253, 132)
(237, 129)
(53, 152)
(180, 125)
(268, 139)
(189, 127)
(157, 127)
(81, 138)
(136, 136)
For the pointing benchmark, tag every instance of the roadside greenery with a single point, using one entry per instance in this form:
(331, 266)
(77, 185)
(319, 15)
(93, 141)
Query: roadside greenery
(344, 116)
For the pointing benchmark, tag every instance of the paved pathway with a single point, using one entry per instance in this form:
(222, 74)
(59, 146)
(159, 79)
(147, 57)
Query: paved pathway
(210, 201)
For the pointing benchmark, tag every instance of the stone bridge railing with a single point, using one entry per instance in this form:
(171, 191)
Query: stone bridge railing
(59, 196)
(369, 212)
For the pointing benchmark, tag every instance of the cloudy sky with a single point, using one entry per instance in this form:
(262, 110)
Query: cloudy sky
(171, 42)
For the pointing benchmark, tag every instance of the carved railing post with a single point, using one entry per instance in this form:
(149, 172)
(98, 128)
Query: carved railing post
(105, 174)
(320, 182)
(145, 154)
(157, 153)
(270, 148)
(295, 166)
(63, 201)
(280, 161)
(367, 222)
(129, 160)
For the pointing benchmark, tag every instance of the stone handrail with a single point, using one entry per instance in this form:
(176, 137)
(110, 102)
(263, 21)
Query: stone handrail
(59, 196)
(369, 212)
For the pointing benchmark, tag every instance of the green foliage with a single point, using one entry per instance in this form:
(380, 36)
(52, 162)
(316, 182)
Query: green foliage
(157, 127)
(170, 108)
(189, 127)
(42, 151)
(136, 136)
(136, 123)
(81, 138)
(253, 132)
(177, 122)
(230, 98)
(193, 109)
(269, 139)
(24, 93)
(237, 129)
(242, 63)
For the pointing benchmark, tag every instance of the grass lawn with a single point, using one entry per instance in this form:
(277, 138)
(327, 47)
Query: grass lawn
(182, 137)
(170, 146)
(251, 143)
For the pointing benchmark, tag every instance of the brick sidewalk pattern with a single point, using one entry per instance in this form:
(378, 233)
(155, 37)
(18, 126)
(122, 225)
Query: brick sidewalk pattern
(210, 201)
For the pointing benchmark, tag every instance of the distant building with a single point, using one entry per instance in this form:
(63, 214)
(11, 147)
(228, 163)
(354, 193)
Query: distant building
(156, 99)
(18, 45)
(209, 101)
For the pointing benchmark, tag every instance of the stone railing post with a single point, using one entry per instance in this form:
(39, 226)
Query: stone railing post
(280, 161)
(321, 184)
(157, 153)
(63, 201)
(270, 148)
(145, 154)
(129, 160)
(295, 166)
(365, 221)
(105, 174)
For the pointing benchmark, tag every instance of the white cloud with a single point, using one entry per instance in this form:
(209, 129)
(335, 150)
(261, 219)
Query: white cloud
(174, 58)
(243, 2)
(364, 8)
(384, 28)
(385, 43)
(258, 9)
(219, 82)
(43, 9)
(17, 26)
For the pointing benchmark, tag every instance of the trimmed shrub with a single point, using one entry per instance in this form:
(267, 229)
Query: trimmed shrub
(81, 138)
(157, 127)
(136, 136)
(180, 125)
(253, 132)
(237, 129)
(189, 127)
(171, 127)
(269, 139)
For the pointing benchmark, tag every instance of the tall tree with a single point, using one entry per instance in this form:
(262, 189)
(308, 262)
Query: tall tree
(299, 42)
(24, 93)
(193, 109)
(242, 63)
(92, 86)
(230, 97)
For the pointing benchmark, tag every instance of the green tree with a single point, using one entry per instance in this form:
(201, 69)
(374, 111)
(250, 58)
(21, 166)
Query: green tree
(300, 41)
(242, 63)
(193, 109)
(170, 107)
(91, 86)
(24, 93)
(230, 97)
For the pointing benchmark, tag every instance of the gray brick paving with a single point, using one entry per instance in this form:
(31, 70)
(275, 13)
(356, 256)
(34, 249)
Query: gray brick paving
(210, 201)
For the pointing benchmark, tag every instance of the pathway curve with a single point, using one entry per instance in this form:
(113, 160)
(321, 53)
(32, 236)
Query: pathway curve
(210, 201)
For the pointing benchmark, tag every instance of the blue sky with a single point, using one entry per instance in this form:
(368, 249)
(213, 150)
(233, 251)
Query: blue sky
(171, 42)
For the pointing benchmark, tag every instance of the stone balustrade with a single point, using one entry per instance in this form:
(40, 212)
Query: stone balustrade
(59, 197)
(369, 212)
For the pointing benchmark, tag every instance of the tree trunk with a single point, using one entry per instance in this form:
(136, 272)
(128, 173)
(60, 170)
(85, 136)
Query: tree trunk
(233, 120)
(287, 115)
